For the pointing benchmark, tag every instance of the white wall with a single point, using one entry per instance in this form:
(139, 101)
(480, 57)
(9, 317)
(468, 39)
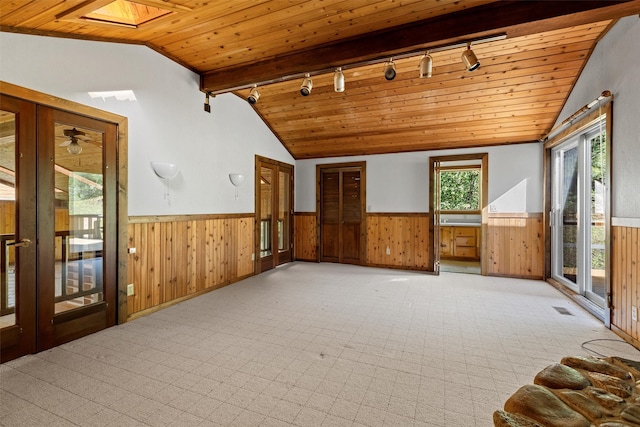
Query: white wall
(400, 182)
(615, 66)
(167, 122)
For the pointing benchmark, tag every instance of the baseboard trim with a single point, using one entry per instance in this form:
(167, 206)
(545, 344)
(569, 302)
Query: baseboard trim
(145, 312)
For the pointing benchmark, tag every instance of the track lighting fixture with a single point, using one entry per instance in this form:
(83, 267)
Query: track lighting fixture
(307, 84)
(338, 80)
(207, 107)
(254, 95)
(390, 69)
(469, 59)
(426, 65)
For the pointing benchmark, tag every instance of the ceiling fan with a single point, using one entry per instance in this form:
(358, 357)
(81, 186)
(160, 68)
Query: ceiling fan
(74, 135)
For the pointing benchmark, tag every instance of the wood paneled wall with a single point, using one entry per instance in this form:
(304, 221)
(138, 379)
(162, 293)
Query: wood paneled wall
(625, 279)
(177, 257)
(406, 236)
(514, 245)
(305, 236)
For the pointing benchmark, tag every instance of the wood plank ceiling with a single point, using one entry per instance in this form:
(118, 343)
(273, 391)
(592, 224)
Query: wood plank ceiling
(515, 96)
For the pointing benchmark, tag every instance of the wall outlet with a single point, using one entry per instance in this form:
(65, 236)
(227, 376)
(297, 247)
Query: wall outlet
(253, 257)
(132, 250)
(130, 289)
(493, 208)
(634, 313)
(388, 250)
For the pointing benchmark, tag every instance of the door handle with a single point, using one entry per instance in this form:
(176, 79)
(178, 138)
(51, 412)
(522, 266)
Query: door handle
(24, 243)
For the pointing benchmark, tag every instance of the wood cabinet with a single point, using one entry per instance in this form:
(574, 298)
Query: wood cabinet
(460, 242)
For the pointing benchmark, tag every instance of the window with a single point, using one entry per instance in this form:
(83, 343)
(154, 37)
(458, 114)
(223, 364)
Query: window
(460, 189)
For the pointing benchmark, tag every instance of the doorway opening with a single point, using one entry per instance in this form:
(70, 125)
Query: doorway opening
(458, 200)
(274, 212)
(59, 226)
(579, 212)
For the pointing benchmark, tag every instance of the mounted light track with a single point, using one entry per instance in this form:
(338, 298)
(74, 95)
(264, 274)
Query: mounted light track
(338, 77)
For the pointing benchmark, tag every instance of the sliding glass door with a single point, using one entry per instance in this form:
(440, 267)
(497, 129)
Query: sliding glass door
(579, 189)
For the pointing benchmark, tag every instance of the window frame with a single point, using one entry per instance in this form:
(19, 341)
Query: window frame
(459, 169)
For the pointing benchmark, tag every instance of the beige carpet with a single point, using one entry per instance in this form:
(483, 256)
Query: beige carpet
(311, 345)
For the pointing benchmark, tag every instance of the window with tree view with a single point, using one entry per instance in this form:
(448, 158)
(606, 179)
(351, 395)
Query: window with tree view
(460, 190)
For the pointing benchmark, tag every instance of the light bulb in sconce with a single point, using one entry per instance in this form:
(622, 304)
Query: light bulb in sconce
(236, 179)
(166, 171)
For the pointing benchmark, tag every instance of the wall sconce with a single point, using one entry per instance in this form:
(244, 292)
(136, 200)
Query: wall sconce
(166, 171)
(236, 179)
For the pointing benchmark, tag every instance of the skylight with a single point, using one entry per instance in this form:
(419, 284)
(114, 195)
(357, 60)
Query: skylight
(119, 95)
(127, 13)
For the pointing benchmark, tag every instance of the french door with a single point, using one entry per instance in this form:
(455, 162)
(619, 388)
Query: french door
(274, 210)
(342, 211)
(58, 228)
(579, 209)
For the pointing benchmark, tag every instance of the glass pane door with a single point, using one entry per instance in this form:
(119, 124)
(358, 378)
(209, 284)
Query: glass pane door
(566, 215)
(579, 190)
(17, 228)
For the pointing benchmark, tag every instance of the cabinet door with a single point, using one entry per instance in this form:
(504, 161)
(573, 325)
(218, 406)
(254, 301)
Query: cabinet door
(445, 241)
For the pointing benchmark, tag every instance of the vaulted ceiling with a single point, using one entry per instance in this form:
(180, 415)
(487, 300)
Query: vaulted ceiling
(515, 96)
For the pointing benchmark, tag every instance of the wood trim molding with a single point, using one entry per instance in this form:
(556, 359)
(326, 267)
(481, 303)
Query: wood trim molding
(515, 215)
(193, 217)
(305, 214)
(403, 214)
(625, 222)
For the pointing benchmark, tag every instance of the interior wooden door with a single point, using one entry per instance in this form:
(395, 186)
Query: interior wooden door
(17, 228)
(77, 226)
(341, 208)
(274, 210)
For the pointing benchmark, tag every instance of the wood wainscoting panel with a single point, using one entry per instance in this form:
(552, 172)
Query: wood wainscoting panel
(178, 257)
(305, 236)
(405, 234)
(625, 278)
(514, 245)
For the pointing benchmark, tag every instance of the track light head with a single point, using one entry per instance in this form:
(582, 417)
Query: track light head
(469, 59)
(338, 80)
(307, 84)
(426, 66)
(254, 95)
(390, 70)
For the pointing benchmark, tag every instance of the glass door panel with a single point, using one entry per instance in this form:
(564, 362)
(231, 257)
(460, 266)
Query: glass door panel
(284, 216)
(266, 198)
(7, 219)
(596, 286)
(79, 217)
(568, 205)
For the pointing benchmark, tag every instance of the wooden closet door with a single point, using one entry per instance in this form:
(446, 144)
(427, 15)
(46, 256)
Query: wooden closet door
(351, 224)
(341, 206)
(330, 216)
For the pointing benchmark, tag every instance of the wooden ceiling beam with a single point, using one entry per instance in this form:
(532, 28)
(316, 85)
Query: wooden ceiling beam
(515, 18)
